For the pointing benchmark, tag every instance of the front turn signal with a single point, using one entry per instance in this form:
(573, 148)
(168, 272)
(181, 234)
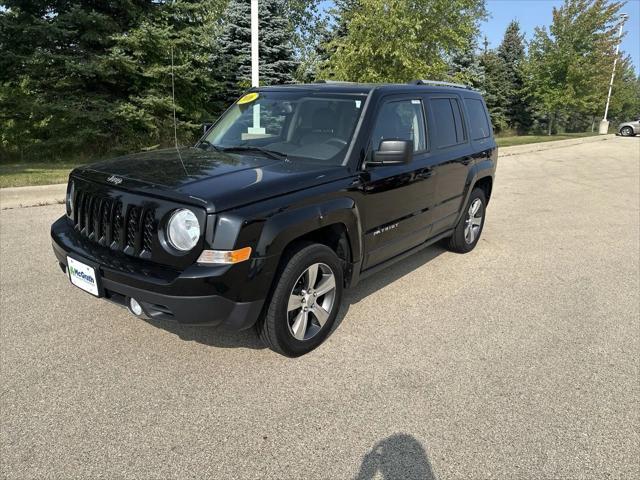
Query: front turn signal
(225, 257)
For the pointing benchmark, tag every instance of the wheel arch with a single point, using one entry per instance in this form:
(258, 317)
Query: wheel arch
(334, 224)
(486, 184)
(481, 174)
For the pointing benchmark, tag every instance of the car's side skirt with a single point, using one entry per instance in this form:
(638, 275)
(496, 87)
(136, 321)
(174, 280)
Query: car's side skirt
(370, 271)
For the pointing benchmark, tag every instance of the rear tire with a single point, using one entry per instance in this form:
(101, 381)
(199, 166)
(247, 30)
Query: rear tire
(469, 228)
(626, 131)
(305, 301)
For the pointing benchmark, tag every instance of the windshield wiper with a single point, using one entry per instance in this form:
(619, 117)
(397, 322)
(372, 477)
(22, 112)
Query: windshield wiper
(276, 155)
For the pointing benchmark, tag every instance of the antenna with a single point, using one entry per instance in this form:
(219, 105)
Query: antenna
(175, 122)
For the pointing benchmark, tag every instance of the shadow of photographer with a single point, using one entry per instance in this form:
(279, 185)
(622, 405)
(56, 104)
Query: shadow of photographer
(398, 457)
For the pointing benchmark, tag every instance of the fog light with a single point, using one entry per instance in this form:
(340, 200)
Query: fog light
(135, 307)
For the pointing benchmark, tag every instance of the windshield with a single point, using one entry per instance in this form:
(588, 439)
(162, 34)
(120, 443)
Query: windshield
(290, 125)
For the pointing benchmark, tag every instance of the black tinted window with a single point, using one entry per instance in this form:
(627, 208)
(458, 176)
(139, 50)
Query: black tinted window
(461, 134)
(402, 120)
(478, 119)
(445, 127)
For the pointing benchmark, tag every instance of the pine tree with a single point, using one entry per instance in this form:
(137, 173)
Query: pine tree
(186, 30)
(512, 53)
(277, 63)
(465, 67)
(56, 85)
(495, 87)
(87, 78)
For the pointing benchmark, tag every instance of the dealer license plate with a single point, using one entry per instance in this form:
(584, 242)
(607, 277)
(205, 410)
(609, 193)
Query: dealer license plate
(82, 276)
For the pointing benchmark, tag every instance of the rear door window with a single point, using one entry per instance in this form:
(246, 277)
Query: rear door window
(480, 127)
(448, 125)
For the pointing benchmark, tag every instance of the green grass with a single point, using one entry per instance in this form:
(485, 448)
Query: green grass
(525, 139)
(40, 173)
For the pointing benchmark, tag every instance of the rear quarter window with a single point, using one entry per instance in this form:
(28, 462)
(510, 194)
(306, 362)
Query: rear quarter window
(480, 127)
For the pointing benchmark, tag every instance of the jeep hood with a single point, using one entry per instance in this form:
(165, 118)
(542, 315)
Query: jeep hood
(217, 180)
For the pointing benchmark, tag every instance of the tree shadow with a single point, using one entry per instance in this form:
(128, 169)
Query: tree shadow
(398, 457)
(222, 338)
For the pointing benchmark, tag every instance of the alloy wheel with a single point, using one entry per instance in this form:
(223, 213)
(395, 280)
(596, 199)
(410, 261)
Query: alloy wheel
(473, 221)
(311, 301)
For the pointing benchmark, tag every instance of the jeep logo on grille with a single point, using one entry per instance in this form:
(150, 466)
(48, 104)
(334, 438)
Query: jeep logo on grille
(115, 180)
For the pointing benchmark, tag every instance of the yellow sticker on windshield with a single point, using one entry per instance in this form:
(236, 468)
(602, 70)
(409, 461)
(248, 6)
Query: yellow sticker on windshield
(248, 98)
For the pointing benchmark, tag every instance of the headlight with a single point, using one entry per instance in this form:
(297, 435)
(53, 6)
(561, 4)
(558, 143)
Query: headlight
(183, 230)
(69, 202)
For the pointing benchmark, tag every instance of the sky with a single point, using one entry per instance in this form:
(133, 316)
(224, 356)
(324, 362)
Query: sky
(533, 13)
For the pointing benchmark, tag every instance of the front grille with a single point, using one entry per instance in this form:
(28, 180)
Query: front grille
(109, 222)
(116, 225)
(133, 226)
(148, 231)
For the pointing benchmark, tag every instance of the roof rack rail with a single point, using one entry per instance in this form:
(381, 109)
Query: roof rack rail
(334, 82)
(440, 84)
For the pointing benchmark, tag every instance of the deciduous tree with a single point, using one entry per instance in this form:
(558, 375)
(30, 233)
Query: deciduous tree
(401, 40)
(570, 64)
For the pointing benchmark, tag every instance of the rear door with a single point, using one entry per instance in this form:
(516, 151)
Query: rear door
(452, 155)
(397, 199)
(480, 131)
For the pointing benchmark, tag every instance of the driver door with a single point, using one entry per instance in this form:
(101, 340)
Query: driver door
(397, 199)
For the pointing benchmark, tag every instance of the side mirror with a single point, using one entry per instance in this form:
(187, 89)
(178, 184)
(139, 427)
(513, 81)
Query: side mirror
(393, 152)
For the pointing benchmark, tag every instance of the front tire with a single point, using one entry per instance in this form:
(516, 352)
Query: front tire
(305, 301)
(626, 131)
(469, 228)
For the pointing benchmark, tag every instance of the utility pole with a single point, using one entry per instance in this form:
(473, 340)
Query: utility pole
(255, 129)
(255, 54)
(604, 124)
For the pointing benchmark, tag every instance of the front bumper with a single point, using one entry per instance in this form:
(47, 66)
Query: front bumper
(197, 296)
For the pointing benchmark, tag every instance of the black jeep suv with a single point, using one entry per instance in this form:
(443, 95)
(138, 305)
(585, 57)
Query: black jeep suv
(295, 193)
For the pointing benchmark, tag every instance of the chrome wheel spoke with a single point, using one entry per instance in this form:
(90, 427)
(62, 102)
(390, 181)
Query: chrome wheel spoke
(295, 302)
(327, 283)
(320, 313)
(312, 275)
(299, 327)
(475, 206)
(311, 301)
(473, 221)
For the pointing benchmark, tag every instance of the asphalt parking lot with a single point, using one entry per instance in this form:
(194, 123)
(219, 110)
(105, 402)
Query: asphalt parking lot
(518, 360)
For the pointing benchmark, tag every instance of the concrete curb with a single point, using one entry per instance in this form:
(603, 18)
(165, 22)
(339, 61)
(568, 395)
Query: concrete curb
(51, 194)
(17, 197)
(538, 147)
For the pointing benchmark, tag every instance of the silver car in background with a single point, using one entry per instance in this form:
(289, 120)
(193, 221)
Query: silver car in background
(628, 129)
